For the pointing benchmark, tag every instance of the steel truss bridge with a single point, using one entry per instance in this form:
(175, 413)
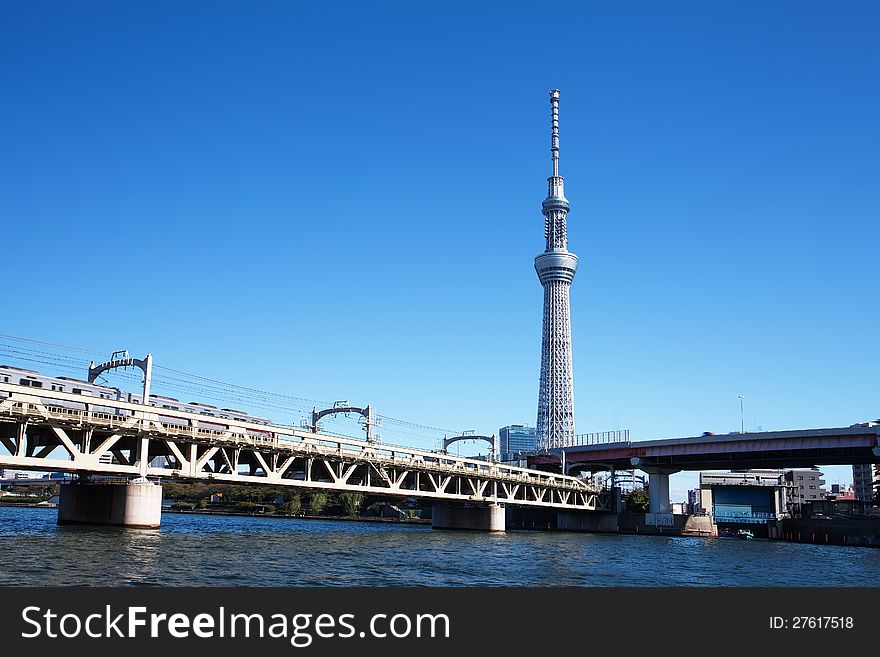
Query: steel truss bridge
(57, 431)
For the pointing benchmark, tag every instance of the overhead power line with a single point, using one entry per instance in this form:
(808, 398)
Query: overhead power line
(168, 379)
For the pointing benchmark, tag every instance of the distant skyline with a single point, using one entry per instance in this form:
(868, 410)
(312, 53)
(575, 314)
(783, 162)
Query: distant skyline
(344, 202)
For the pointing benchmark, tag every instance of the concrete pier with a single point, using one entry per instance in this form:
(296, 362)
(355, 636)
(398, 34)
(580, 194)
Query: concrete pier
(575, 521)
(659, 510)
(133, 504)
(487, 518)
(699, 526)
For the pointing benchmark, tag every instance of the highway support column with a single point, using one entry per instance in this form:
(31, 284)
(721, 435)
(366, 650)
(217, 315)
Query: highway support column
(659, 509)
(136, 503)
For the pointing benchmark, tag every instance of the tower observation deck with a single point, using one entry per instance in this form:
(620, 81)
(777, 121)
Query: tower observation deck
(556, 267)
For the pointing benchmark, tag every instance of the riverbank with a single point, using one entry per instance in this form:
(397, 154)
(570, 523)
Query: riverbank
(31, 505)
(283, 516)
(286, 516)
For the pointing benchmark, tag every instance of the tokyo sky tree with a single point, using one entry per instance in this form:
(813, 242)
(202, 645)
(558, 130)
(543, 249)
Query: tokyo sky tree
(556, 268)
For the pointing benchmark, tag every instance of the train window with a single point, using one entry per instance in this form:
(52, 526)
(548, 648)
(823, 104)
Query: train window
(36, 384)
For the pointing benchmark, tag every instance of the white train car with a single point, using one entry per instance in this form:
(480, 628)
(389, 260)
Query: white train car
(95, 392)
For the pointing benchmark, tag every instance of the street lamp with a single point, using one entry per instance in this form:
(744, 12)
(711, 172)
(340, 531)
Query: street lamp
(742, 425)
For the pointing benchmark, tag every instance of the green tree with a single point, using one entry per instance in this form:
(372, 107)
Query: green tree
(317, 501)
(292, 504)
(351, 503)
(637, 500)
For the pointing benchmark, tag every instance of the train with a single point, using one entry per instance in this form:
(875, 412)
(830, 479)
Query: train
(96, 391)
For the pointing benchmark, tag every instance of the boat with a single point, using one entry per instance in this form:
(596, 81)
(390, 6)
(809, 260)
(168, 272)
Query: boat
(744, 533)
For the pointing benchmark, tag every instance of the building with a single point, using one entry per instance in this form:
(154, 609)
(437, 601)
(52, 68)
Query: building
(753, 497)
(866, 481)
(694, 502)
(841, 492)
(802, 487)
(514, 440)
(555, 267)
(832, 507)
(9, 473)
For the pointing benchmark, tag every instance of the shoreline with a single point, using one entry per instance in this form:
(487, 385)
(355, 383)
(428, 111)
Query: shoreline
(281, 516)
(284, 516)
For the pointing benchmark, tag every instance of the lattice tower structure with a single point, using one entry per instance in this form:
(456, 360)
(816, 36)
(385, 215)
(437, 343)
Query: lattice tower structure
(556, 268)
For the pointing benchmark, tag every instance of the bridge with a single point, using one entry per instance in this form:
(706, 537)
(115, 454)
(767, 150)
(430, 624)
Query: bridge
(859, 443)
(56, 431)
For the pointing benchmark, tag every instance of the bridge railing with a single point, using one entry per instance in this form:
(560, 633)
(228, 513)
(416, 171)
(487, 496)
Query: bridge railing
(744, 515)
(602, 438)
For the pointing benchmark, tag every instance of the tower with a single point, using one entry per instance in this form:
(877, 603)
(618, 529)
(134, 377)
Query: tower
(556, 268)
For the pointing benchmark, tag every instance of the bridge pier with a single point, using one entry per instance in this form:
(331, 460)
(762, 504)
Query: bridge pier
(133, 504)
(659, 509)
(585, 521)
(487, 518)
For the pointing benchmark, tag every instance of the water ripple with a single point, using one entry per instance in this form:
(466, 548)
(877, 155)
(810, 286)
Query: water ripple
(198, 550)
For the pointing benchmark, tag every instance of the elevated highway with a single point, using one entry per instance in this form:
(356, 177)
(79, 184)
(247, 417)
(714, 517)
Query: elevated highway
(803, 448)
(767, 449)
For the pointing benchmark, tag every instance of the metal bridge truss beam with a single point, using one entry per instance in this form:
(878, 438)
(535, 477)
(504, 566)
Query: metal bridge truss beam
(41, 436)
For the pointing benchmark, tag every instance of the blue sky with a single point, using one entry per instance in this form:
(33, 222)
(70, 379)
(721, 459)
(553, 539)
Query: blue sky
(343, 202)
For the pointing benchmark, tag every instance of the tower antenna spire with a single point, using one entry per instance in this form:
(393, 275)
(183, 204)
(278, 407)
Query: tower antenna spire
(554, 141)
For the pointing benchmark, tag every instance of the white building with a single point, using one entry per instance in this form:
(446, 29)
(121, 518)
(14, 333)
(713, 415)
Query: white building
(9, 473)
(802, 486)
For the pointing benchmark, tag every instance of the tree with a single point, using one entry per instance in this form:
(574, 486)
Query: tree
(637, 500)
(317, 501)
(292, 504)
(351, 503)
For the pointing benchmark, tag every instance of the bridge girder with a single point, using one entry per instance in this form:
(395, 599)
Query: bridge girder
(146, 442)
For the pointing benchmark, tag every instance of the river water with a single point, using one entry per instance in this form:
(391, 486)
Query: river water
(201, 550)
